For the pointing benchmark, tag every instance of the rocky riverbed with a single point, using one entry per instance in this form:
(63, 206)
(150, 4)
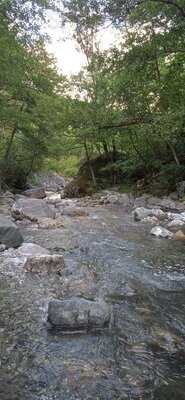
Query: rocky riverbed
(115, 326)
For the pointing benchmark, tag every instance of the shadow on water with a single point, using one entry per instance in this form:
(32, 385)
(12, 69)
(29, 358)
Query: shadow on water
(142, 356)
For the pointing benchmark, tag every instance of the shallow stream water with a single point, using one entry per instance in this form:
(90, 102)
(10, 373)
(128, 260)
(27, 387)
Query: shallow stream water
(141, 356)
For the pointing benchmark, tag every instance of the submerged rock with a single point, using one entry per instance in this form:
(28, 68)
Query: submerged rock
(161, 232)
(10, 235)
(32, 209)
(45, 264)
(78, 313)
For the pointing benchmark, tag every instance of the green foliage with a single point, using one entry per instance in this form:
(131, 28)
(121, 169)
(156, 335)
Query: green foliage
(67, 166)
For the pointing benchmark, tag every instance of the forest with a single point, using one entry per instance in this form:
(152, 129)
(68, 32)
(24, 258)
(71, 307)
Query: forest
(122, 117)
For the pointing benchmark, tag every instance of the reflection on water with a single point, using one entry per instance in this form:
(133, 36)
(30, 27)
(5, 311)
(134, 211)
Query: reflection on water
(143, 354)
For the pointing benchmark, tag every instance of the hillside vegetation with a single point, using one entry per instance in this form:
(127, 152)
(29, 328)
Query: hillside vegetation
(128, 100)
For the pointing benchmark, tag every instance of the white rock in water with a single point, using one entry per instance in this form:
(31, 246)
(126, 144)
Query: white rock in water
(161, 232)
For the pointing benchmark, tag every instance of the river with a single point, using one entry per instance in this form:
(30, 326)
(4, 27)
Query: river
(141, 356)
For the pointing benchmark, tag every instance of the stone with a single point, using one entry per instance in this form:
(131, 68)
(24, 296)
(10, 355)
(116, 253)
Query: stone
(35, 193)
(175, 224)
(45, 264)
(49, 223)
(141, 213)
(31, 249)
(51, 181)
(151, 220)
(179, 235)
(78, 314)
(161, 232)
(168, 205)
(140, 201)
(73, 212)
(32, 209)
(10, 235)
(54, 198)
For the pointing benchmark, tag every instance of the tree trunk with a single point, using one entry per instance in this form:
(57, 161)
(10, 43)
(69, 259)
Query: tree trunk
(89, 164)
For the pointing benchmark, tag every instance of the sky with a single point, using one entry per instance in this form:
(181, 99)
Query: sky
(64, 48)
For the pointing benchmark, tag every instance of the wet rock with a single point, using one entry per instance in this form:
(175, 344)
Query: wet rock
(10, 235)
(45, 264)
(32, 209)
(35, 193)
(141, 213)
(78, 313)
(161, 232)
(31, 249)
(179, 235)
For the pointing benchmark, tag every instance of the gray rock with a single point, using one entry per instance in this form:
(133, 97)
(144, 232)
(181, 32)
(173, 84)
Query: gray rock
(78, 313)
(176, 224)
(50, 181)
(10, 235)
(168, 205)
(35, 193)
(141, 213)
(161, 232)
(31, 249)
(151, 220)
(32, 209)
(45, 264)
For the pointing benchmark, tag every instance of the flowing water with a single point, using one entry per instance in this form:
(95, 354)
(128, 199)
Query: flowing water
(141, 356)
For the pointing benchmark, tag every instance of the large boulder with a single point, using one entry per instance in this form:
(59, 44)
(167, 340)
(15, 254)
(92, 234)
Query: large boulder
(10, 235)
(50, 181)
(31, 209)
(45, 264)
(78, 313)
(161, 232)
(35, 193)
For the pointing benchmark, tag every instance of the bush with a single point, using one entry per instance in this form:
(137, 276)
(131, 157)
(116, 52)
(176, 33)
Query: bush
(13, 175)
